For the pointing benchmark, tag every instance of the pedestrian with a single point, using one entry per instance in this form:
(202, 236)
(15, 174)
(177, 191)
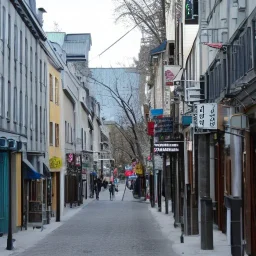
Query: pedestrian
(98, 185)
(111, 190)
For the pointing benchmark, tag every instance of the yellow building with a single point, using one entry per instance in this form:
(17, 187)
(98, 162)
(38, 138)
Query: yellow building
(55, 149)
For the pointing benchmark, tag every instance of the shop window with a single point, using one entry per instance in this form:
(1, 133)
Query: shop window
(37, 206)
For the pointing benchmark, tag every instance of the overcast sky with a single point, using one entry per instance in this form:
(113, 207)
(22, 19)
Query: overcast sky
(95, 17)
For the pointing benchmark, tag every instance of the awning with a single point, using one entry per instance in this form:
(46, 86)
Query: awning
(159, 49)
(46, 171)
(29, 171)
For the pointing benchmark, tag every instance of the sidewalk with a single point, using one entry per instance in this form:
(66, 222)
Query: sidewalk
(191, 245)
(28, 238)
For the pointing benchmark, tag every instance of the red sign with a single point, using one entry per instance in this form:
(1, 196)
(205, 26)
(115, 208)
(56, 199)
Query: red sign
(151, 128)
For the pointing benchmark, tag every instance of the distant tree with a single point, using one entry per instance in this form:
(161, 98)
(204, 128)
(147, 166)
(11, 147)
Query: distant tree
(149, 15)
(131, 124)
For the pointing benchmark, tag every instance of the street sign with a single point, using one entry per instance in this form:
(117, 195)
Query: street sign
(207, 116)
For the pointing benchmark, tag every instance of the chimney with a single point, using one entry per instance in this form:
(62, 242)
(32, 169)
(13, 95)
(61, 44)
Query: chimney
(40, 13)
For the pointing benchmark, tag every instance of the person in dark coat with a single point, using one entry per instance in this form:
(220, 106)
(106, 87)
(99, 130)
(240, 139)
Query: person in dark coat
(97, 187)
(111, 190)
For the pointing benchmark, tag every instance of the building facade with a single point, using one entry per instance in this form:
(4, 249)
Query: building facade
(23, 105)
(217, 75)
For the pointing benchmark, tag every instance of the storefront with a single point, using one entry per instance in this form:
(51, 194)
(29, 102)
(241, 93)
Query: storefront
(73, 180)
(36, 210)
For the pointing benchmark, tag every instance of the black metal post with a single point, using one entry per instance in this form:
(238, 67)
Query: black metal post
(159, 190)
(165, 185)
(58, 197)
(153, 202)
(9, 238)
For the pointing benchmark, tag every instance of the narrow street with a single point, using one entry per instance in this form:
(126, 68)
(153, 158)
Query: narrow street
(107, 227)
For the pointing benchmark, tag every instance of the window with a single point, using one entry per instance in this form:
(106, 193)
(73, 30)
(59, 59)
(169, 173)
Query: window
(45, 74)
(36, 122)
(66, 131)
(2, 97)
(9, 31)
(68, 134)
(15, 43)
(9, 99)
(26, 110)
(31, 60)
(15, 105)
(51, 133)
(51, 87)
(3, 24)
(36, 70)
(41, 75)
(84, 140)
(57, 138)
(21, 48)
(21, 109)
(31, 114)
(71, 135)
(26, 55)
(82, 137)
(56, 91)
(45, 122)
(40, 124)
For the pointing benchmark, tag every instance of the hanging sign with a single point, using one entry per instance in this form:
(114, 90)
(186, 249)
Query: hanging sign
(166, 147)
(207, 116)
(170, 72)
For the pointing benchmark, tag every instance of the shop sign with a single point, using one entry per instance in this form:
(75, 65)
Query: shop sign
(166, 147)
(78, 160)
(151, 128)
(207, 116)
(170, 72)
(156, 112)
(55, 162)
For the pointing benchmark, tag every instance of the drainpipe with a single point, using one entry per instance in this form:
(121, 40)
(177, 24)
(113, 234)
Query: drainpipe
(234, 202)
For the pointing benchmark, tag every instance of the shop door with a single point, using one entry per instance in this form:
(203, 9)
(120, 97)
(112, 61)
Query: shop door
(4, 192)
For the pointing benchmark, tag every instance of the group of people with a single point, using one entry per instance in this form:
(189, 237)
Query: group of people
(98, 184)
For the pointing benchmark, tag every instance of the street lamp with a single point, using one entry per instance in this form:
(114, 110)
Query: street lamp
(10, 146)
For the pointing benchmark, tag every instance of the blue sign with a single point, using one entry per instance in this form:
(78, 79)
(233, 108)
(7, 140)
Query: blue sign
(157, 112)
(186, 120)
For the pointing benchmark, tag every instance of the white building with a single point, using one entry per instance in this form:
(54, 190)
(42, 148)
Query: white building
(24, 97)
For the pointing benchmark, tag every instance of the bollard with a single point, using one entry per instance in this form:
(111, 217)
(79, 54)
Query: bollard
(206, 224)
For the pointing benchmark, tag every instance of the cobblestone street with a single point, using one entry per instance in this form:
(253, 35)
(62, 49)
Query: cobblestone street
(106, 227)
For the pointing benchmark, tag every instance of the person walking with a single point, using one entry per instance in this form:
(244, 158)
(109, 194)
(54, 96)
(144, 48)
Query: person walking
(98, 185)
(111, 190)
